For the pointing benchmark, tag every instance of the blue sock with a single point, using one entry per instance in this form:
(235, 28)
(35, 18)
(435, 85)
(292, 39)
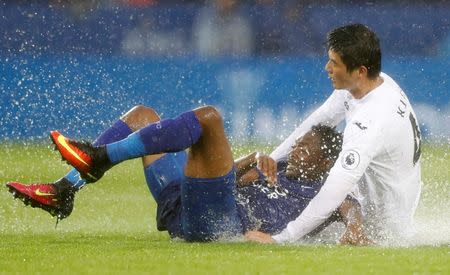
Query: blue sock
(119, 130)
(169, 135)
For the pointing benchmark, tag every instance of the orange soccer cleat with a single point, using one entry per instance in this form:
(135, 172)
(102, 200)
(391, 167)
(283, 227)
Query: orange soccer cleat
(55, 198)
(90, 161)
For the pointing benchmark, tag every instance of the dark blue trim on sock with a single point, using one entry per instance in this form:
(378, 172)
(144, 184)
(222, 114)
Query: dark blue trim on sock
(193, 126)
(171, 135)
(119, 130)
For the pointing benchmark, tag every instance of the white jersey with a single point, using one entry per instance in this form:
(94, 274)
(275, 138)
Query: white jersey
(380, 162)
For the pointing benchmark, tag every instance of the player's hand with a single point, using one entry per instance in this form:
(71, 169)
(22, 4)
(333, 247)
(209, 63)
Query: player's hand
(355, 236)
(258, 236)
(268, 167)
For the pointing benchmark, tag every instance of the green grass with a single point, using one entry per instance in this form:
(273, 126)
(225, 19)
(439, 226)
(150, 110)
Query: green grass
(112, 230)
(114, 253)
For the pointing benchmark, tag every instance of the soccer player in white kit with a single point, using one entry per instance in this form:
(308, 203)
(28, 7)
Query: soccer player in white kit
(380, 158)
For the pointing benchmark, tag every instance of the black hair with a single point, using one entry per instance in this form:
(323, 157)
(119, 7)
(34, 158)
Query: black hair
(330, 141)
(357, 45)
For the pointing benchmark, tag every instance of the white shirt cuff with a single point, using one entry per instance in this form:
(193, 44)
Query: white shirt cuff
(282, 237)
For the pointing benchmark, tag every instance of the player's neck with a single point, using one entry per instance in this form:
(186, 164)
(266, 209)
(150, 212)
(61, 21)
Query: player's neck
(366, 87)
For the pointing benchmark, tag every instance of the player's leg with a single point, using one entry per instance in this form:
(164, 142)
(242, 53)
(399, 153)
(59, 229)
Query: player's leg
(57, 197)
(201, 128)
(203, 202)
(138, 118)
(207, 195)
(159, 169)
(211, 179)
(163, 169)
(169, 135)
(211, 155)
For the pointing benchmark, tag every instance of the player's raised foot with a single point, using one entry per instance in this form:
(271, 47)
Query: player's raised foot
(90, 161)
(55, 198)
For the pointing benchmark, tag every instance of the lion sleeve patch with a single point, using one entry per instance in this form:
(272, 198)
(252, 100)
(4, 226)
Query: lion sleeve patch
(350, 159)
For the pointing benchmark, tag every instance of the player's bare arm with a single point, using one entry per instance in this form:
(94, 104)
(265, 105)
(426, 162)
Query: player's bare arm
(351, 215)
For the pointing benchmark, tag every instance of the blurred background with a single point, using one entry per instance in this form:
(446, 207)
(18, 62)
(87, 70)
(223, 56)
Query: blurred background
(77, 66)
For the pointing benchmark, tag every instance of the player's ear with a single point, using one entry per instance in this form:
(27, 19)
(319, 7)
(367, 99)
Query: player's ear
(362, 70)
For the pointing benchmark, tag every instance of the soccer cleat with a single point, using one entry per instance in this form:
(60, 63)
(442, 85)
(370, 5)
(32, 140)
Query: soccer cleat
(55, 198)
(92, 162)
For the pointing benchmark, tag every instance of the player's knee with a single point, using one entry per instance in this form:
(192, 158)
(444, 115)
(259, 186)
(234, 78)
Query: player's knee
(209, 117)
(140, 116)
(146, 112)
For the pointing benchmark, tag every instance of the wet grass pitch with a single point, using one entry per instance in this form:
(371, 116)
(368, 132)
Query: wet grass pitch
(112, 230)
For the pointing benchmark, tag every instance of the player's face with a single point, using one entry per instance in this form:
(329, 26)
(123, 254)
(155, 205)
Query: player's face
(337, 72)
(305, 161)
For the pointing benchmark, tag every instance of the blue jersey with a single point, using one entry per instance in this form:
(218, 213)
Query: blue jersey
(258, 206)
(270, 209)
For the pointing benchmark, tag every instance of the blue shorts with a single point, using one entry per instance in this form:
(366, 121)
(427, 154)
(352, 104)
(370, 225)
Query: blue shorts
(196, 209)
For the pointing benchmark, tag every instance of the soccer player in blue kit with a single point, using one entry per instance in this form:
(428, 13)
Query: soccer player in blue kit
(201, 195)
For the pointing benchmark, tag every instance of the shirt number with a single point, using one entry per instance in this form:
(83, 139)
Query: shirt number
(417, 138)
